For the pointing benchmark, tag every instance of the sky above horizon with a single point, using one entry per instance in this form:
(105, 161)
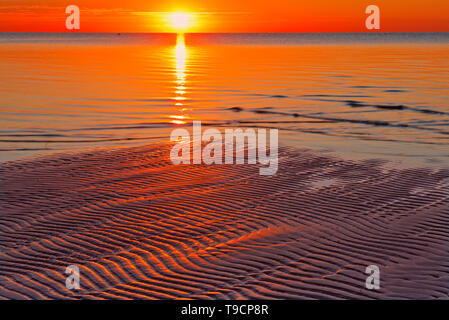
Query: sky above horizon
(225, 16)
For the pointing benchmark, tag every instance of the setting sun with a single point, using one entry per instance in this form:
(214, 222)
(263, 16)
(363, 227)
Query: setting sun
(181, 21)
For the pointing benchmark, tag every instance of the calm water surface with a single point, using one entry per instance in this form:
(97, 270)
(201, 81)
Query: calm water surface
(378, 95)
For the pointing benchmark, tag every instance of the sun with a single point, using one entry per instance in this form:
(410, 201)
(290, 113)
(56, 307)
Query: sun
(181, 21)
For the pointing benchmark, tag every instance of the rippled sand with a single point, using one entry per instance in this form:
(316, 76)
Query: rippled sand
(140, 227)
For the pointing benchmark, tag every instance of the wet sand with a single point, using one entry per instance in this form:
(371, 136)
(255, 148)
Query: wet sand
(140, 227)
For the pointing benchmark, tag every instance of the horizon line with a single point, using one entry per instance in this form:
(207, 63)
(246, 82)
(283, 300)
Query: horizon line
(326, 32)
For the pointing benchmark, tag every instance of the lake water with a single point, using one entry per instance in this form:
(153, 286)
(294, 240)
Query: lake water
(376, 95)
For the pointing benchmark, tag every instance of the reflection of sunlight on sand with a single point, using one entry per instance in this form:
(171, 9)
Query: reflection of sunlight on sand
(180, 88)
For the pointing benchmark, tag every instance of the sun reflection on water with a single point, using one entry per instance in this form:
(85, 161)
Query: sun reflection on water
(180, 87)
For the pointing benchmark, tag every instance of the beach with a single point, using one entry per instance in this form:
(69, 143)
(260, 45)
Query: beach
(140, 227)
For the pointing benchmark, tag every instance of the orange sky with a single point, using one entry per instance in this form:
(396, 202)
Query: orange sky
(226, 15)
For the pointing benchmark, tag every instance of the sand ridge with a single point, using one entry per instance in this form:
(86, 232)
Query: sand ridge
(140, 227)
